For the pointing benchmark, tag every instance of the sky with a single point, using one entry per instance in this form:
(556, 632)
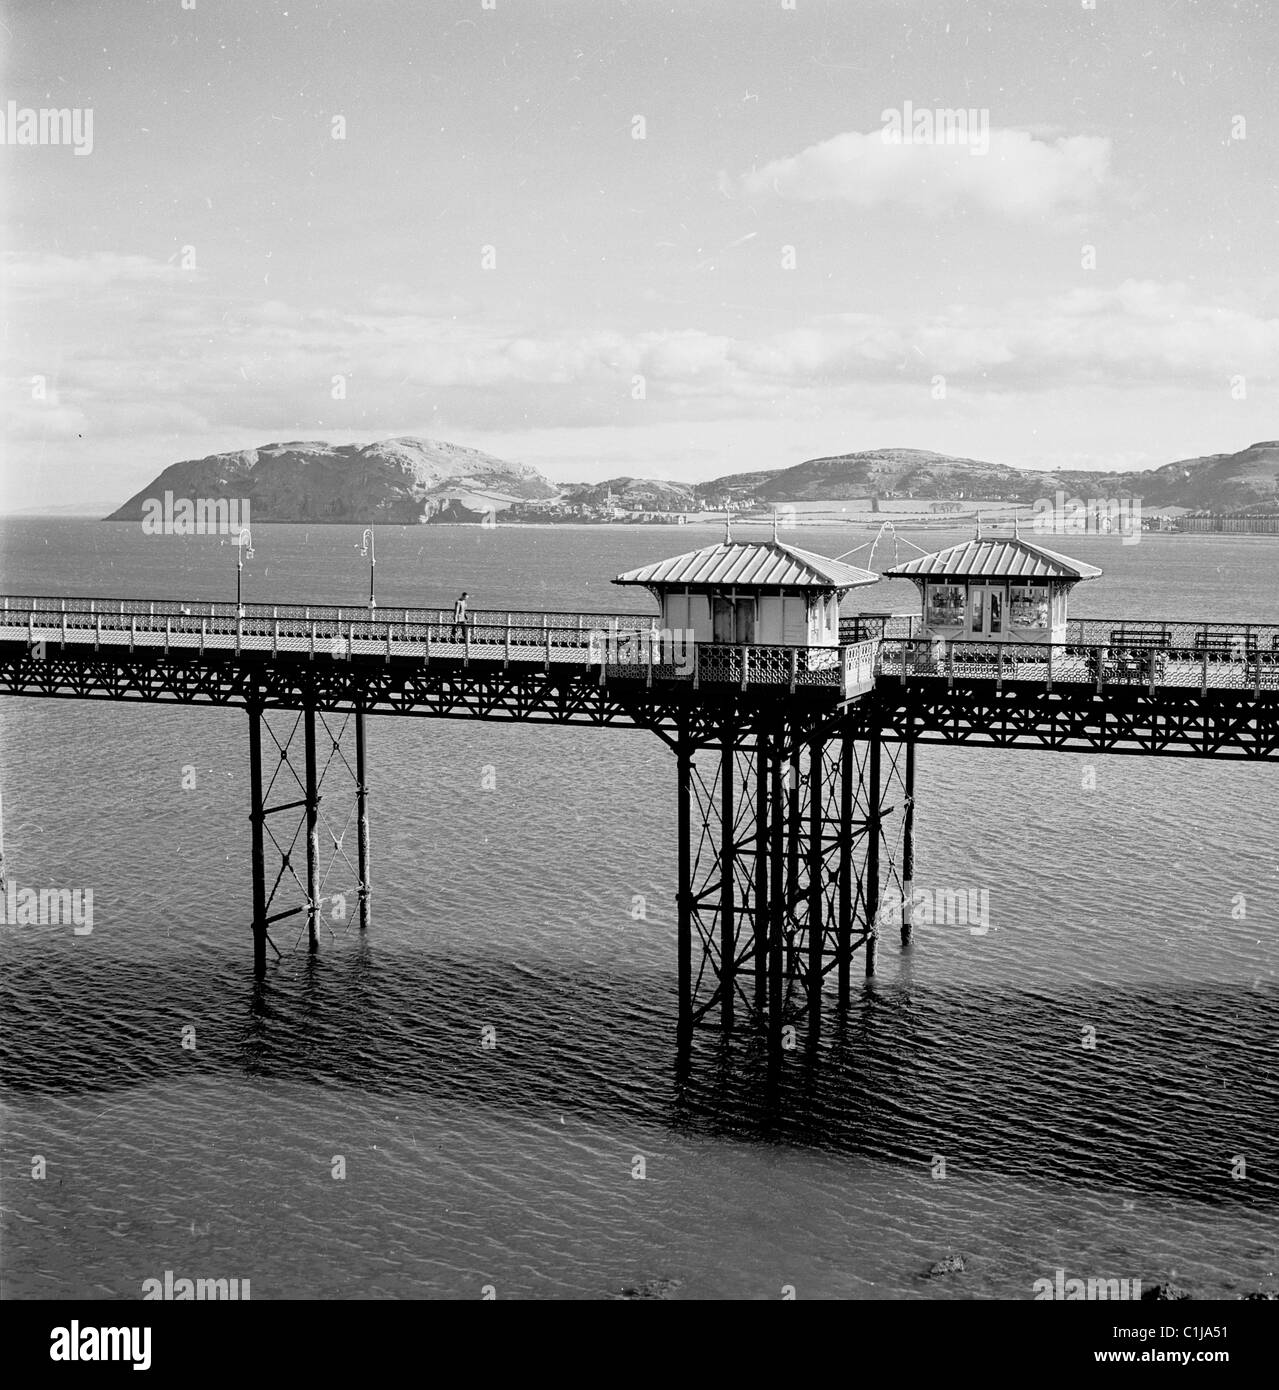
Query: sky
(661, 239)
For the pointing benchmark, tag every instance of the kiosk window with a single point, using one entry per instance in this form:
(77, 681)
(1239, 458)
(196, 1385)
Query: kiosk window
(1028, 606)
(945, 605)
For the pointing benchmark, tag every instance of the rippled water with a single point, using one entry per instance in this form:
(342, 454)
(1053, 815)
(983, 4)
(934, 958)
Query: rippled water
(1114, 908)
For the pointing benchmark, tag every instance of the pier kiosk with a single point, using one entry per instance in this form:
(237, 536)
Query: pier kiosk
(995, 591)
(755, 594)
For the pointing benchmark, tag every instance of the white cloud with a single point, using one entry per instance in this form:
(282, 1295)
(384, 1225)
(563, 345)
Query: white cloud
(44, 273)
(1019, 176)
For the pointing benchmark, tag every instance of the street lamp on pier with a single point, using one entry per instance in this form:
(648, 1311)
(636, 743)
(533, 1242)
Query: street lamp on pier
(367, 548)
(243, 544)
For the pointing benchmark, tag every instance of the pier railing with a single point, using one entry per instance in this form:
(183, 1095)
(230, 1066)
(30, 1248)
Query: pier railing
(1098, 652)
(1171, 634)
(1204, 657)
(618, 645)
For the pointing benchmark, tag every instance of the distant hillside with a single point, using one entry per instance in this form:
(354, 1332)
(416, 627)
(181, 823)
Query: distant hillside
(393, 480)
(411, 480)
(876, 472)
(1246, 481)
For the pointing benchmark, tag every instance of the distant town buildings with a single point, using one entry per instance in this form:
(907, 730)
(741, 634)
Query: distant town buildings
(1248, 523)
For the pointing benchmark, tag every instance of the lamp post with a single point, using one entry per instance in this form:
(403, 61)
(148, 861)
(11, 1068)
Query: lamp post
(367, 548)
(243, 542)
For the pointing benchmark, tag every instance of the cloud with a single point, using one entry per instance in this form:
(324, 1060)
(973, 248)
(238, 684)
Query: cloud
(1018, 176)
(44, 273)
(126, 347)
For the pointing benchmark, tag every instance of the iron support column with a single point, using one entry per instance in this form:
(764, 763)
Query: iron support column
(312, 832)
(816, 873)
(727, 853)
(871, 886)
(908, 842)
(792, 856)
(256, 819)
(362, 809)
(763, 743)
(777, 910)
(844, 928)
(684, 760)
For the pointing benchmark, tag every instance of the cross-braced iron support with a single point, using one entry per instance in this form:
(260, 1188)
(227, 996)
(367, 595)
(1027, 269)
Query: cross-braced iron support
(307, 803)
(792, 831)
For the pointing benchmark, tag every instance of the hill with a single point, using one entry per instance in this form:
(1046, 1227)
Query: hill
(393, 480)
(1243, 481)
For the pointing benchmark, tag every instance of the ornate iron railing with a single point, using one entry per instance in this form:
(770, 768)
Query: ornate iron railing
(1202, 660)
(1099, 652)
(571, 621)
(618, 644)
(1170, 634)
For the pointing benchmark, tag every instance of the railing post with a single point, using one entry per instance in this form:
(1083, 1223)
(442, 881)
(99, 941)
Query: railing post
(546, 630)
(204, 632)
(133, 632)
(507, 662)
(312, 639)
(1051, 649)
(97, 632)
(1101, 674)
(1203, 667)
(275, 637)
(950, 663)
(168, 632)
(794, 667)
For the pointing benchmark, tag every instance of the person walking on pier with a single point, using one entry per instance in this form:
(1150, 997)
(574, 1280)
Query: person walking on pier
(459, 616)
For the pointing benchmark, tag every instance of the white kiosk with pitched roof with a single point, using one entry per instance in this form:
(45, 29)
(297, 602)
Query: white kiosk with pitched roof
(751, 593)
(994, 590)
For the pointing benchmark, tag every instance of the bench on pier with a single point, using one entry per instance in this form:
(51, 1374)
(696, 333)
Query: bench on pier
(1225, 644)
(1137, 654)
(1131, 638)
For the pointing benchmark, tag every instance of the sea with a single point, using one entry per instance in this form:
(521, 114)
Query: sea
(1091, 1085)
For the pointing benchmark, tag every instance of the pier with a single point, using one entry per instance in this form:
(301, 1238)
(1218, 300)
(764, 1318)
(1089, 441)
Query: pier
(795, 762)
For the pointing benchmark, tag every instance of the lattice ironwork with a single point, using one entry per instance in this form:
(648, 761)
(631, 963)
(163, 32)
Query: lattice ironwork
(329, 879)
(791, 832)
